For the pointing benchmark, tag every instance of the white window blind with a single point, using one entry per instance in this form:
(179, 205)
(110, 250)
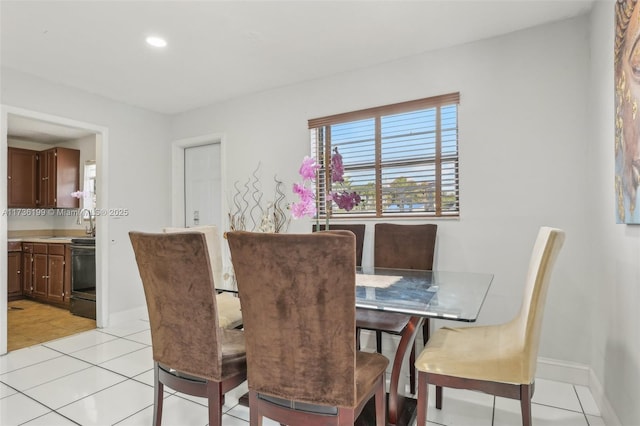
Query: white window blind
(402, 159)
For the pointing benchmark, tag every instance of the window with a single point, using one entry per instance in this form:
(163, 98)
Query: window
(89, 200)
(402, 159)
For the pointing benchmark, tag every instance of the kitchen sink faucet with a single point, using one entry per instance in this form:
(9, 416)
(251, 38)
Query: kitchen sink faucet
(91, 229)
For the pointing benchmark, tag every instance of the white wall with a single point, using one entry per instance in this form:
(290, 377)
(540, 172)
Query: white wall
(139, 164)
(613, 308)
(523, 128)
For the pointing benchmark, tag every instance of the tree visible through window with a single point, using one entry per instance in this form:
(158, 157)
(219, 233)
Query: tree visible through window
(402, 159)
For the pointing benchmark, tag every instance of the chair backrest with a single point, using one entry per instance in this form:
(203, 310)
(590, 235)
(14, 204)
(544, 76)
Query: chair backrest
(358, 230)
(178, 287)
(404, 246)
(297, 293)
(526, 327)
(214, 246)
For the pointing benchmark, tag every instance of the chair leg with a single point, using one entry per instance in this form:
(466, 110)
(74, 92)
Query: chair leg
(412, 369)
(255, 418)
(426, 331)
(525, 404)
(439, 397)
(381, 404)
(379, 341)
(346, 417)
(423, 399)
(215, 396)
(357, 338)
(158, 391)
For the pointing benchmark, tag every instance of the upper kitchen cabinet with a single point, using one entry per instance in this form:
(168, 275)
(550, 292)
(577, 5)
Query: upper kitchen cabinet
(22, 178)
(59, 174)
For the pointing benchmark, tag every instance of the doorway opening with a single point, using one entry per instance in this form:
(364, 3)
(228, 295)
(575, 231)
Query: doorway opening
(29, 125)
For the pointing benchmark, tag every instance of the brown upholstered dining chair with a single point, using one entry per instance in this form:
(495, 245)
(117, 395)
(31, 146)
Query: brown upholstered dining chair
(191, 353)
(229, 313)
(358, 230)
(401, 247)
(496, 359)
(297, 293)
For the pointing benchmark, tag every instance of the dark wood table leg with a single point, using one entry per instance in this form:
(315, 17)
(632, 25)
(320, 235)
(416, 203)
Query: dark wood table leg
(407, 340)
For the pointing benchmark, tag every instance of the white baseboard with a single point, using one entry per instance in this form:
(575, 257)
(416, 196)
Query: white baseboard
(135, 314)
(563, 371)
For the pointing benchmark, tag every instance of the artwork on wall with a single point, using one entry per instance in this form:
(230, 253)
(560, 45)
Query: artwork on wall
(627, 115)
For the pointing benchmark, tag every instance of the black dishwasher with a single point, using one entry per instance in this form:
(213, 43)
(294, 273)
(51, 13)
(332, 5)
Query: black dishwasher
(83, 277)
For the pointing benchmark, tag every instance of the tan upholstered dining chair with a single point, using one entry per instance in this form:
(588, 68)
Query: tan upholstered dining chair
(496, 359)
(297, 293)
(192, 354)
(229, 313)
(402, 247)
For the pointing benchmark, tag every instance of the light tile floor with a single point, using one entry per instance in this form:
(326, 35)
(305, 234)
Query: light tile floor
(105, 377)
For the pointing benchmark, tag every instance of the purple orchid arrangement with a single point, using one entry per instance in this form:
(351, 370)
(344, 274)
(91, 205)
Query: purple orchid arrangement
(306, 206)
(344, 199)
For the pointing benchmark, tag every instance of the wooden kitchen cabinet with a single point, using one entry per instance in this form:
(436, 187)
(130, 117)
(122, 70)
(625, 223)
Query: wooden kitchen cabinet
(14, 269)
(40, 270)
(22, 176)
(27, 269)
(55, 273)
(50, 276)
(59, 174)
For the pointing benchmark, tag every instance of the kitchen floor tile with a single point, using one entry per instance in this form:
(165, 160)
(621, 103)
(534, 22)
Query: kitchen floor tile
(109, 350)
(143, 337)
(507, 413)
(556, 394)
(460, 407)
(110, 405)
(175, 411)
(46, 371)
(21, 358)
(50, 419)
(73, 387)
(6, 390)
(79, 341)
(17, 409)
(122, 330)
(589, 405)
(131, 364)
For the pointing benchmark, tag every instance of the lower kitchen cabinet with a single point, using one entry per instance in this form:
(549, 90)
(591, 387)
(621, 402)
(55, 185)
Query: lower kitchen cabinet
(14, 269)
(27, 269)
(55, 274)
(48, 268)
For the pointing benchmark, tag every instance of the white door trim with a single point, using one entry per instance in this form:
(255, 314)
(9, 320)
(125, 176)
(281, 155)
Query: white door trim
(177, 179)
(102, 223)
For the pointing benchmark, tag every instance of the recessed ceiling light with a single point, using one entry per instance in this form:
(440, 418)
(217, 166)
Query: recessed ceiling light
(156, 41)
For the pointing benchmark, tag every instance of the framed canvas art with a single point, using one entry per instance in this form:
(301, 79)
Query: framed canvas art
(627, 115)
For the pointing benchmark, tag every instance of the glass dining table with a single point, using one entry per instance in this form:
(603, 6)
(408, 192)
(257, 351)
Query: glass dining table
(456, 296)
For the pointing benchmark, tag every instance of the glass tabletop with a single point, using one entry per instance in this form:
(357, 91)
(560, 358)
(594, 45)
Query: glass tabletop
(434, 294)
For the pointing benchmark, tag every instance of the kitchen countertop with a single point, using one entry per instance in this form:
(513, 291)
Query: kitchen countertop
(47, 236)
(47, 240)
